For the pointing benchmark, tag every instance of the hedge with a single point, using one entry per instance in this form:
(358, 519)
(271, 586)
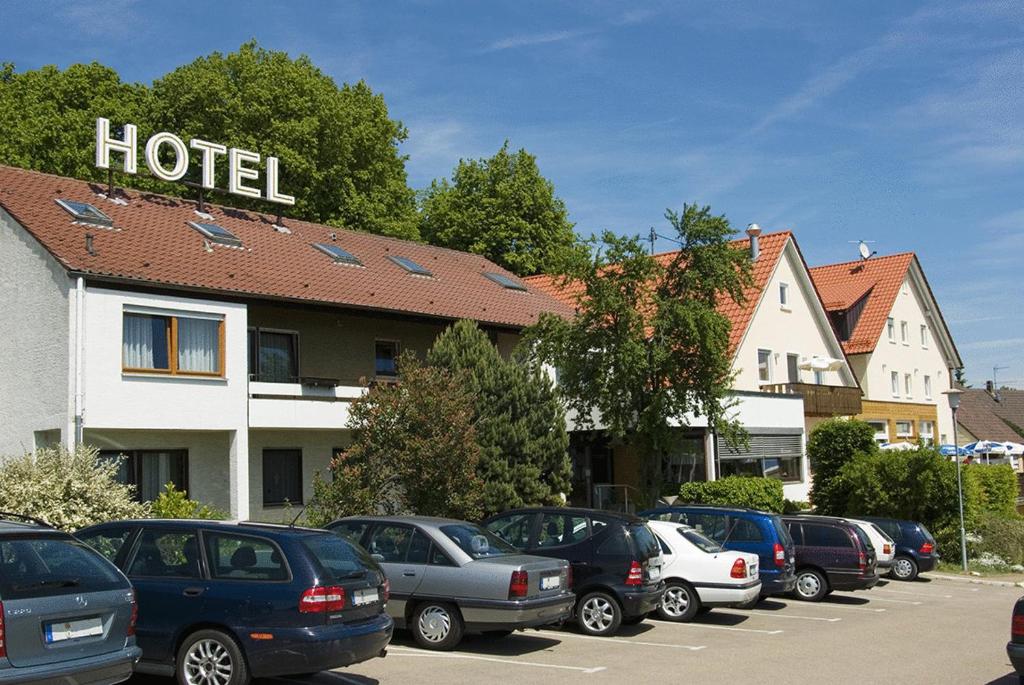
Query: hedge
(736, 491)
(998, 485)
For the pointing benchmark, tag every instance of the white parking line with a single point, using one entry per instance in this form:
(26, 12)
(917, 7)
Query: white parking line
(911, 594)
(623, 640)
(775, 614)
(711, 626)
(406, 651)
(828, 605)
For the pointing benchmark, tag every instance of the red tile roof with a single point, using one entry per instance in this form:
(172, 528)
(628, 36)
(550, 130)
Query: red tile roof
(151, 244)
(739, 315)
(841, 285)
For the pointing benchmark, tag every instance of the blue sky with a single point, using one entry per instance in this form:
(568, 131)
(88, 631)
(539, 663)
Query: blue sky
(901, 123)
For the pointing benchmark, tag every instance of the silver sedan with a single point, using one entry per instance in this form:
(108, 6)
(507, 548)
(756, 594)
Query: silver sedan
(449, 577)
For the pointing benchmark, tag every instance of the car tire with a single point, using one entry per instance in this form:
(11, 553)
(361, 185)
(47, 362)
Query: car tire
(811, 585)
(599, 614)
(904, 568)
(680, 602)
(436, 625)
(207, 652)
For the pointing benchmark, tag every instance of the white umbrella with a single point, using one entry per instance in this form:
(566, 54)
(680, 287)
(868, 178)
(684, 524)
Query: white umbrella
(986, 447)
(896, 446)
(819, 363)
(1014, 449)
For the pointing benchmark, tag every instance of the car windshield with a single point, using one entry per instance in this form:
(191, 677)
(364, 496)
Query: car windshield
(477, 542)
(340, 559)
(43, 566)
(646, 544)
(704, 544)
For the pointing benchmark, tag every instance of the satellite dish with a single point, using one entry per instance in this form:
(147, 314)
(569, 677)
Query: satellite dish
(865, 251)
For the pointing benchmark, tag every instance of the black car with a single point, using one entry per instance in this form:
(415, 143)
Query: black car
(831, 554)
(66, 614)
(615, 559)
(220, 603)
(1015, 647)
(916, 551)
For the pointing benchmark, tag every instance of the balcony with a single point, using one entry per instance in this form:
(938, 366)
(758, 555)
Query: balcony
(309, 404)
(821, 400)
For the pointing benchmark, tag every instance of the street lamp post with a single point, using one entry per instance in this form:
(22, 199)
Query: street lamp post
(953, 395)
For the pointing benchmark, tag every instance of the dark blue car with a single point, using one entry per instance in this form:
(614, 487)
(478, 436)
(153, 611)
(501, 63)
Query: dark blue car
(743, 530)
(916, 551)
(220, 603)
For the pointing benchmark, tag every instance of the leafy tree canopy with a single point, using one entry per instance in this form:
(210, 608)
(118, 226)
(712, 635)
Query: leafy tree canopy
(502, 208)
(648, 345)
(832, 445)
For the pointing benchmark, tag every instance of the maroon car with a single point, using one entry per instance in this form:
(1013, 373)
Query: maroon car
(831, 554)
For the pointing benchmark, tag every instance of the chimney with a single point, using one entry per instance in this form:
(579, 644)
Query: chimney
(990, 388)
(89, 246)
(753, 230)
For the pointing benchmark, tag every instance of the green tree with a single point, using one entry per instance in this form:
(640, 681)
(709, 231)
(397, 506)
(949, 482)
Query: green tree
(413, 450)
(832, 445)
(649, 345)
(501, 208)
(519, 421)
(173, 503)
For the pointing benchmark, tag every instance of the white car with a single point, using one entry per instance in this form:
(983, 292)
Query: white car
(885, 547)
(699, 574)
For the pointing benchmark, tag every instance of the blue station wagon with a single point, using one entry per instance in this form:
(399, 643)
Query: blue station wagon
(220, 603)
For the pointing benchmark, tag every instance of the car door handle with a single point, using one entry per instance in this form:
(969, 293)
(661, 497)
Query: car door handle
(193, 591)
(409, 574)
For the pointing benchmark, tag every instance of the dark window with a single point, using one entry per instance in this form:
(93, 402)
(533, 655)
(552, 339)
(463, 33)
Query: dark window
(438, 557)
(419, 548)
(150, 470)
(713, 526)
(795, 532)
(108, 541)
(744, 530)
(273, 356)
(338, 254)
(166, 554)
(216, 233)
(825, 536)
(282, 476)
(513, 529)
(338, 558)
(560, 529)
(664, 547)
(52, 565)
(686, 463)
(643, 541)
(392, 543)
(786, 469)
(386, 358)
(351, 530)
(615, 545)
(747, 466)
(410, 266)
(244, 558)
(85, 212)
(505, 281)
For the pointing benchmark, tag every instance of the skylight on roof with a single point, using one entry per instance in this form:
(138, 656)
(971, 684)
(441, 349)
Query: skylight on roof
(338, 254)
(217, 234)
(505, 281)
(83, 211)
(410, 266)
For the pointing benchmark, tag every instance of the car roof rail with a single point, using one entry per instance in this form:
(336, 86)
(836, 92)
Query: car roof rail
(8, 515)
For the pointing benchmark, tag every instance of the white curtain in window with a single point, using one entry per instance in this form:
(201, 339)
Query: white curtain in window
(137, 348)
(198, 345)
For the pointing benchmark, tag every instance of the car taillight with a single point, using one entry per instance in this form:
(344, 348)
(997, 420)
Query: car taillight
(134, 616)
(518, 586)
(3, 637)
(862, 561)
(886, 548)
(739, 569)
(635, 575)
(780, 555)
(321, 600)
(1017, 627)
(385, 590)
(926, 548)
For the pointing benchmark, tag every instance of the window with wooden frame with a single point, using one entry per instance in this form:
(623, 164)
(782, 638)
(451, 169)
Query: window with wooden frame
(172, 344)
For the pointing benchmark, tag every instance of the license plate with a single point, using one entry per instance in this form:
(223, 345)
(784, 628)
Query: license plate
(367, 596)
(550, 583)
(753, 570)
(58, 631)
(654, 572)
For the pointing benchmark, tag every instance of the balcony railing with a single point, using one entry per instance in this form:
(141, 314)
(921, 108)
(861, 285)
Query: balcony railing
(822, 400)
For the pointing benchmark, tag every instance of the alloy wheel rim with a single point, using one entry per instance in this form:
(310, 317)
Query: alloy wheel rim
(208, 662)
(903, 568)
(675, 601)
(598, 614)
(435, 624)
(808, 585)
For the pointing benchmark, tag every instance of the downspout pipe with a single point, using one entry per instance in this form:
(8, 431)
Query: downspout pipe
(79, 400)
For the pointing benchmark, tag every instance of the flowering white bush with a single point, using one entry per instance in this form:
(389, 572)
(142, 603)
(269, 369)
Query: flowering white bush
(68, 490)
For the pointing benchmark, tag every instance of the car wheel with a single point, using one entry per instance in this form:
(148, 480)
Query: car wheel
(437, 626)
(598, 614)
(680, 603)
(904, 568)
(210, 657)
(811, 586)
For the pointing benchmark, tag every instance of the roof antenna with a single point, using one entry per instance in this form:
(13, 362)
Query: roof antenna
(110, 183)
(866, 252)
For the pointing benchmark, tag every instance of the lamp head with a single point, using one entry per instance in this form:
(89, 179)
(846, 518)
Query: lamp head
(953, 395)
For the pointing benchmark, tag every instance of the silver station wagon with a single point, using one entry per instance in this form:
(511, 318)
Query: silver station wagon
(449, 577)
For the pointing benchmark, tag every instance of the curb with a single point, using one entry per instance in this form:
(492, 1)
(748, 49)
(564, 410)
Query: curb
(976, 581)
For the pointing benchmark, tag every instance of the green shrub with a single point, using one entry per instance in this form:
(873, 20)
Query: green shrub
(736, 491)
(832, 445)
(175, 504)
(999, 536)
(998, 486)
(69, 490)
(791, 506)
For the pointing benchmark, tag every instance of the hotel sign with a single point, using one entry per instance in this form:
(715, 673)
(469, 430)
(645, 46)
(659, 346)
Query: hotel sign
(241, 163)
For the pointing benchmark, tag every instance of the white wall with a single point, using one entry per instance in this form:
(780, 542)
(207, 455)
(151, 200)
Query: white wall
(34, 345)
(794, 329)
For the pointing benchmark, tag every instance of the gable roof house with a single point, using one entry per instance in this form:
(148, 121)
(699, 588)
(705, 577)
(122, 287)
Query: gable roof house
(893, 332)
(990, 414)
(218, 349)
(791, 373)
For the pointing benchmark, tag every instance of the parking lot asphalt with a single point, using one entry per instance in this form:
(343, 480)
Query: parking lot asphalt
(929, 631)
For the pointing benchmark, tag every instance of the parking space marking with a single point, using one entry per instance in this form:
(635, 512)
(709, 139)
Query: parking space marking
(775, 614)
(828, 605)
(407, 651)
(911, 594)
(624, 640)
(711, 626)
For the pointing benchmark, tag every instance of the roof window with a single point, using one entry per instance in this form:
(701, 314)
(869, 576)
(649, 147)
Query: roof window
(505, 281)
(410, 266)
(217, 234)
(85, 212)
(338, 254)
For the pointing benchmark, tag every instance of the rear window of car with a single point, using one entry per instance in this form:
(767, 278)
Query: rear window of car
(46, 566)
(476, 541)
(704, 544)
(878, 529)
(643, 538)
(927, 535)
(782, 531)
(340, 559)
(863, 537)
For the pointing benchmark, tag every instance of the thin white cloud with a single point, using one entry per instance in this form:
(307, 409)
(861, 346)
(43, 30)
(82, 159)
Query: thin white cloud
(995, 344)
(528, 39)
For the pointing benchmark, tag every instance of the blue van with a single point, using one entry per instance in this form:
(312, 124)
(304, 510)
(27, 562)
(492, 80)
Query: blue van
(743, 530)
